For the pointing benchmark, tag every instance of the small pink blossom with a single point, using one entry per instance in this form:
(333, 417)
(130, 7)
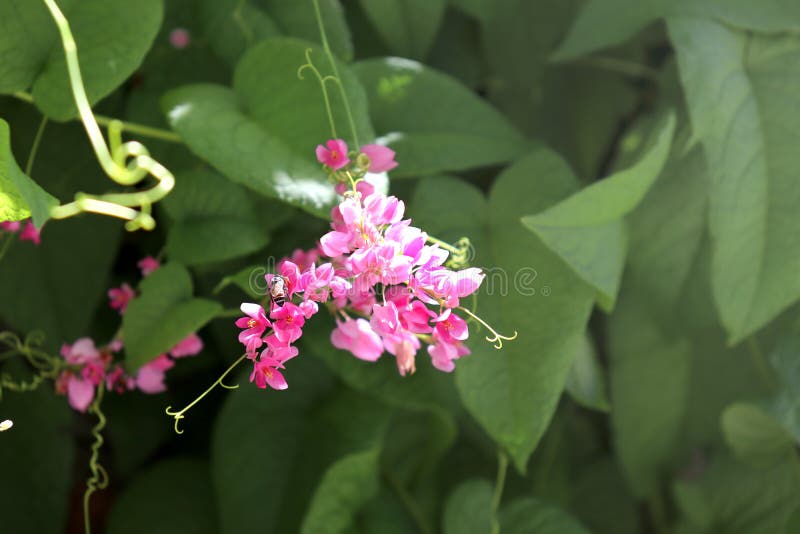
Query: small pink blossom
(255, 324)
(30, 233)
(265, 373)
(288, 321)
(119, 297)
(180, 38)
(443, 354)
(359, 338)
(81, 352)
(147, 265)
(188, 346)
(118, 381)
(150, 378)
(451, 328)
(80, 392)
(94, 373)
(10, 226)
(381, 158)
(335, 155)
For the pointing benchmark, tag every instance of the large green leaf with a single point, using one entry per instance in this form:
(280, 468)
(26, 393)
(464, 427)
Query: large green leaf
(109, 51)
(585, 382)
(163, 314)
(214, 220)
(528, 289)
(173, 496)
(433, 122)
(531, 516)
(37, 471)
(262, 132)
(738, 88)
(603, 23)
(345, 487)
(755, 436)
(587, 230)
(20, 196)
(468, 509)
(407, 26)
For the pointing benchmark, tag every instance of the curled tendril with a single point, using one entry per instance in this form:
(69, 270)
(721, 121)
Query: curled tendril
(125, 163)
(460, 253)
(178, 415)
(99, 477)
(46, 366)
(496, 338)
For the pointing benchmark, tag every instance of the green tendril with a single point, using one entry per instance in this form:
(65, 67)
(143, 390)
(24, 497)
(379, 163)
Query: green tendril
(114, 160)
(459, 253)
(309, 64)
(99, 477)
(496, 338)
(46, 366)
(218, 382)
(35, 146)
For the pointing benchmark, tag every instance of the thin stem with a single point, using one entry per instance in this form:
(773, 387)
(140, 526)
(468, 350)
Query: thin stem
(443, 244)
(409, 503)
(497, 496)
(6, 245)
(230, 312)
(35, 146)
(335, 70)
(496, 337)
(218, 382)
(760, 362)
(99, 478)
(325, 97)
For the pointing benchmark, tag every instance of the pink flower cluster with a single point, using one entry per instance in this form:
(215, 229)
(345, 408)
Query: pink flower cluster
(88, 366)
(389, 289)
(27, 231)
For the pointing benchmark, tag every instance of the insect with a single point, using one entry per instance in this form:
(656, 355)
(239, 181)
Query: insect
(277, 290)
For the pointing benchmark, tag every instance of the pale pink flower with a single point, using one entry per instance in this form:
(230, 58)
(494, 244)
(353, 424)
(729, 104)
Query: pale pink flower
(335, 155)
(81, 352)
(119, 297)
(255, 324)
(359, 338)
(381, 158)
(147, 265)
(150, 377)
(180, 38)
(265, 373)
(188, 346)
(30, 233)
(443, 353)
(80, 392)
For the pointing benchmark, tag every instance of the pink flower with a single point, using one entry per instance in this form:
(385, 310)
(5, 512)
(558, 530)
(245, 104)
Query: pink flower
(443, 354)
(288, 321)
(381, 158)
(150, 378)
(80, 392)
(119, 297)
(451, 328)
(30, 233)
(335, 155)
(147, 265)
(118, 381)
(94, 373)
(180, 38)
(10, 226)
(254, 324)
(265, 373)
(188, 346)
(335, 243)
(359, 338)
(81, 352)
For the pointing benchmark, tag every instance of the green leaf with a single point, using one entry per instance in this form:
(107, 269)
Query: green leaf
(175, 495)
(20, 196)
(650, 377)
(250, 280)
(600, 498)
(585, 382)
(232, 26)
(37, 474)
(604, 23)
(744, 119)
(469, 508)
(345, 487)
(754, 436)
(215, 220)
(408, 27)
(163, 314)
(297, 19)
(262, 133)
(529, 290)
(433, 122)
(531, 516)
(586, 229)
(109, 52)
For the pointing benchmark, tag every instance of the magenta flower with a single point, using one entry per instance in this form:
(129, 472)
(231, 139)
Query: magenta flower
(451, 328)
(359, 338)
(147, 265)
(443, 354)
(335, 155)
(265, 373)
(10, 226)
(118, 381)
(288, 321)
(188, 346)
(150, 378)
(254, 326)
(30, 233)
(119, 297)
(381, 158)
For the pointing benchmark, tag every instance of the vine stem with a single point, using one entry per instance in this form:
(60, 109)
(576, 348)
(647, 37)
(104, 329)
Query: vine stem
(218, 382)
(497, 496)
(99, 478)
(760, 362)
(35, 146)
(409, 503)
(336, 78)
(6, 245)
